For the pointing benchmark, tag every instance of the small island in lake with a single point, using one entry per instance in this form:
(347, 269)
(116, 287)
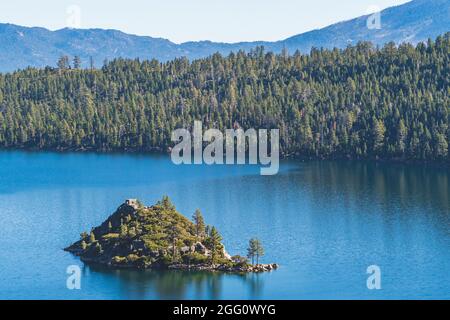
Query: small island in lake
(158, 237)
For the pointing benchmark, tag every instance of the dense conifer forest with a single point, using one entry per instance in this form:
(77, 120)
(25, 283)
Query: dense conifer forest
(360, 102)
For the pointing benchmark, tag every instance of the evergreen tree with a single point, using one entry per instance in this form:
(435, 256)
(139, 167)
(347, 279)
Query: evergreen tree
(76, 62)
(215, 245)
(174, 234)
(251, 250)
(259, 252)
(63, 63)
(255, 250)
(199, 224)
(166, 203)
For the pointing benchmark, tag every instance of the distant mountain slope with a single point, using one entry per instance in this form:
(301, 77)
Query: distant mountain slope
(20, 47)
(412, 22)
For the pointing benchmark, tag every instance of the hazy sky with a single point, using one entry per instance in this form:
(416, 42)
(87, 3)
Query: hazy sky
(185, 20)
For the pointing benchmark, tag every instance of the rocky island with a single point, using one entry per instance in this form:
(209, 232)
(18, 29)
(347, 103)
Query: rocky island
(159, 237)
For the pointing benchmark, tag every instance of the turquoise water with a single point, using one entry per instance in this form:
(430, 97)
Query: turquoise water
(323, 222)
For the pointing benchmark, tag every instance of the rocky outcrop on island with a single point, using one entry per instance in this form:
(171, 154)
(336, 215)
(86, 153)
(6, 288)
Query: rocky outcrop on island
(158, 237)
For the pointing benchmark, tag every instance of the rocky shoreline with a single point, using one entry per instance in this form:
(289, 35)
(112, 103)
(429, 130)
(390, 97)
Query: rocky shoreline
(226, 268)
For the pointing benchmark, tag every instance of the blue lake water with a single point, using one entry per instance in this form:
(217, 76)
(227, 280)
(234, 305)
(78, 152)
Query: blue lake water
(323, 222)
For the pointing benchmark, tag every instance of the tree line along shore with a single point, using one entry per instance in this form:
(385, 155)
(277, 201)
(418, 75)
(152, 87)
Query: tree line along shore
(362, 102)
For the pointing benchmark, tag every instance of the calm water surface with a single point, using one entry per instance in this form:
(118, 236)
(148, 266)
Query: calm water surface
(323, 222)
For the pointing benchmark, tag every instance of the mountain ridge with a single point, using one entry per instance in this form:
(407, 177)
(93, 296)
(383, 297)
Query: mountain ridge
(414, 22)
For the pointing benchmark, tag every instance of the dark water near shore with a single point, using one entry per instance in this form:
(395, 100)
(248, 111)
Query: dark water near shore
(323, 222)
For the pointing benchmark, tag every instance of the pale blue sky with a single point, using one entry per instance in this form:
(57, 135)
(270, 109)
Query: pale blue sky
(185, 20)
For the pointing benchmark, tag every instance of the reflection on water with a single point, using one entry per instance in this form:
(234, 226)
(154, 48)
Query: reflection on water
(388, 183)
(323, 222)
(393, 188)
(178, 285)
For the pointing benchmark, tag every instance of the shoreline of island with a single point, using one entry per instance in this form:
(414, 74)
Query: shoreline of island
(158, 237)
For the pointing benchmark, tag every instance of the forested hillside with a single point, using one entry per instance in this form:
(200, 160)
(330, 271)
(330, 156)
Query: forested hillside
(361, 102)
